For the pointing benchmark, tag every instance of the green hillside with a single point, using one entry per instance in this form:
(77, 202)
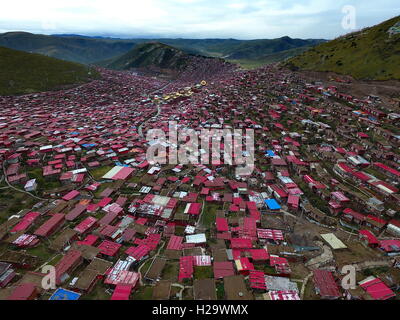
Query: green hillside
(74, 48)
(22, 72)
(372, 53)
(151, 55)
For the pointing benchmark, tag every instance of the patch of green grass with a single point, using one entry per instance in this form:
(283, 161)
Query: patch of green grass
(11, 202)
(170, 271)
(144, 293)
(375, 271)
(209, 214)
(99, 172)
(98, 293)
(203, 273)
(42, 252)
(220, 291)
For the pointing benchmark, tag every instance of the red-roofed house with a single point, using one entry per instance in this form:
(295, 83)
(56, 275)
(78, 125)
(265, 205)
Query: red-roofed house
(377, 289)
(325, 285)
(223, 269)
(368, 238)
(51, 225)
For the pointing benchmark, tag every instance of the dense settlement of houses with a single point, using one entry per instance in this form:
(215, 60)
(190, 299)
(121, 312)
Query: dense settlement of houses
(324, 193)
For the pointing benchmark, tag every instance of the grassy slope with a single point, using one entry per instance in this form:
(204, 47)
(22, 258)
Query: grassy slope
(368, 54)
(22, 72)
(151, 54)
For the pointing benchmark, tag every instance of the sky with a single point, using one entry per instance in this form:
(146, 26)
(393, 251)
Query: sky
(239, 19)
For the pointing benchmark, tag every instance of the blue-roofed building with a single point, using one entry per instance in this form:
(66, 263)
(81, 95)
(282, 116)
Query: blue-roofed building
(119, 164)
(272, 204)
(89, 145)
(270, 153)
(62, 294)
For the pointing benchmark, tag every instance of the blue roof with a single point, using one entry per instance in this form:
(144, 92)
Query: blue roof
(270, 153)
(62, 294)
(272, 204)
(119, 164)
(89, 145)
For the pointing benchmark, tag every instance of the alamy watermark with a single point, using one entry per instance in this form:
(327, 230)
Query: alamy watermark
(182, 146)
(49, 280)
(349, 21)
(349, 280)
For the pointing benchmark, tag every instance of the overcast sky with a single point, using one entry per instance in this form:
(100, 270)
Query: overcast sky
(240, 19)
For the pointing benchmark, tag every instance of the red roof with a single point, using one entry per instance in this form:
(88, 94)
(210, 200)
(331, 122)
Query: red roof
(185, 268)
(257, 280)
(122, 292)
(259, 254)
(340, 196)
(390, 245)
(386, 168)
(123, 173)
(354, 214)
(108, 218)
(76, 212)
(90, 240)
(377, 289)
(376, 219)
(222, 224)
(138, 252)
(26, 221)
(85, 225)
(244, 264)
(202, 261)
(194, 209)
(249, 229)
(69, 261)
(104, 202)
(241, 243)
(270, 234)
(109, 248)
(325, 284)
(71, 195)
(175, 243)
(23, 292)
(46, 228)
(223, 269)
(293, 201)
(368, 235)
(251, 205)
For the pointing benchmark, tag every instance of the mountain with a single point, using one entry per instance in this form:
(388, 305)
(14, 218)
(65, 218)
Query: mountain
(151, 55)
(87, 50)
(22, 72)
(372, 54)
(160, 59)
(73, 48)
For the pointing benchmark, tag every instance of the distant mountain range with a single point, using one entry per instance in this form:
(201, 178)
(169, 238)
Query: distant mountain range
(372, 53)
(87, 50)
(22, 73)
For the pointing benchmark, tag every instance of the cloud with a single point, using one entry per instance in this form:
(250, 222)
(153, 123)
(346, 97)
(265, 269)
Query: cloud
(242, 19)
